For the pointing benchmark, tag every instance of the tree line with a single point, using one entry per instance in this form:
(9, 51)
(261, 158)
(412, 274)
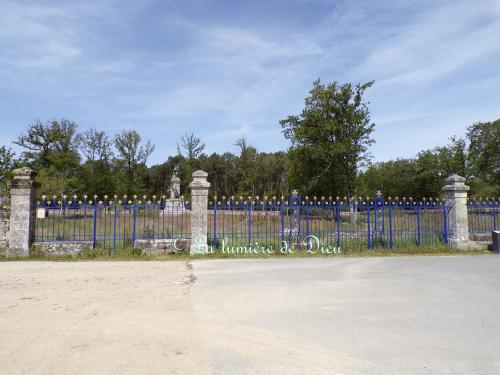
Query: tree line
(328, 155)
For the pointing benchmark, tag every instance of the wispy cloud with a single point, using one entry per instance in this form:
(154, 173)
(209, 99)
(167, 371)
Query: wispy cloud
(438, 42)
(34, 36)
(225, 71)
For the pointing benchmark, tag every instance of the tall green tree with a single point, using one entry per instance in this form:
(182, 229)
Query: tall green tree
(393, 178)
(245, 165)
(131, 160)
(484, 150)
(51, 149)
(330, 138)
(7, 163)
(97, 169)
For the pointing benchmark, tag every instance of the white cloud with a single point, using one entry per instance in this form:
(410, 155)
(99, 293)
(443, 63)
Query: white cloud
(436, 43)
(35, 36)
(110, 64)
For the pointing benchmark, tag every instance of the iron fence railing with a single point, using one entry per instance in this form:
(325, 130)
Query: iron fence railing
(111, 223)
(483, 216)
(316, 223)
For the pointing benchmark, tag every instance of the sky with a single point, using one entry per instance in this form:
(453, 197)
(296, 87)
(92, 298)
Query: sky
(229, 69)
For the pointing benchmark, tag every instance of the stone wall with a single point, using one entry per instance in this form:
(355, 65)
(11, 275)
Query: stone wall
(61, 248)
(161, 246)
(4, 229)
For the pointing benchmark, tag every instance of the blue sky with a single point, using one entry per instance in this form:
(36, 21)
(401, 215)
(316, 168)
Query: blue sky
(230, 69)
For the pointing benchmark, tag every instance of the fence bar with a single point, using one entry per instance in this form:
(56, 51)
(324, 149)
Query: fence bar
(418, 226)
(391, 242)
(368, 224)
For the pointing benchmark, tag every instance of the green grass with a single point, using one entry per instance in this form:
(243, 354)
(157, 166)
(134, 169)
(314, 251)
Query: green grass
(130, 253)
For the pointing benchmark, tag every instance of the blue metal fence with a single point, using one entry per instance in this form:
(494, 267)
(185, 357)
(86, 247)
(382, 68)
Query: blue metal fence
(315, 223)
(483, 216)
(112, 224)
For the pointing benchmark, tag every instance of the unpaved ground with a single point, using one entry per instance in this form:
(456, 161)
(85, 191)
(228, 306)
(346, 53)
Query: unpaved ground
(98, 318)
(347, 316)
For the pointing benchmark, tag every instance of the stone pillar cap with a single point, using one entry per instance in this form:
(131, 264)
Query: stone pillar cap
(200, 173)
(200, 180)
(455, 183)
(24, 172)
(455, 178)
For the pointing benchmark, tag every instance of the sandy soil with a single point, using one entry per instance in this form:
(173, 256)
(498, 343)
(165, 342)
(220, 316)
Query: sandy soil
(98, 318)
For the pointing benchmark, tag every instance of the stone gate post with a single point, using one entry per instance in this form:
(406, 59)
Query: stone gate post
(22, 212)
(199, 213)
(455, 192)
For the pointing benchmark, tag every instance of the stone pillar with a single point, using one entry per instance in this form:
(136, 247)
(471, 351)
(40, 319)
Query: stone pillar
(22, 212)
(199, 213)
(4, 229)
(175, 187)
(456, 200)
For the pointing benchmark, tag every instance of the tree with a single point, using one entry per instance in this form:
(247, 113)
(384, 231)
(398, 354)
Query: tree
(52, 152)
(95, 145)
(330, 139)
(7, 164)
(484, 150)
(132, 157)
(96, 172)
(393, 178)
(43, 140)
(268, 176)
(192, 145)
(245, 166)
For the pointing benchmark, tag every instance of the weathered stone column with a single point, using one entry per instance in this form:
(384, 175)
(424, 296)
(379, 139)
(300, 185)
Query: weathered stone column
(4, 229)
(22, 212)
(456, 201)
(199, 213)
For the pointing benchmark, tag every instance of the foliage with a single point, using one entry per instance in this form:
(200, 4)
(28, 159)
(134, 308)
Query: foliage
(484, 150)
(131, 159)
(7, 164)
(51, 149)
(328, 155)
(330, 138)
(424, 175)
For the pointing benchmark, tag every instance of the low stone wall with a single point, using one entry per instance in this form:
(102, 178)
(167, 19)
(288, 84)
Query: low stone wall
(481, 237)
(162, 246)
(61, 248)
(4, 229)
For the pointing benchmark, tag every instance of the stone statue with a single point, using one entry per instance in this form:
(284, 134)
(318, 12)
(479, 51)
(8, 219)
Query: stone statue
(176, 171)
(175, 184)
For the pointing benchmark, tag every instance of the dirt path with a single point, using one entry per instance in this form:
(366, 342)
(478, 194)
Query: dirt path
(98, 318)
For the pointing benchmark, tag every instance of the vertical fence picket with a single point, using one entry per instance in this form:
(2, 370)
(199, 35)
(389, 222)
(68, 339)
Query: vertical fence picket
(114, 229)
(282, 220)
(337, 219)
(94, 240)
(419, 229)
(307, 219)
(249, 221)
(391, 243)
(134, 222)
(445, 225)
(298, 204)
(368, 225)
(215, 221)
